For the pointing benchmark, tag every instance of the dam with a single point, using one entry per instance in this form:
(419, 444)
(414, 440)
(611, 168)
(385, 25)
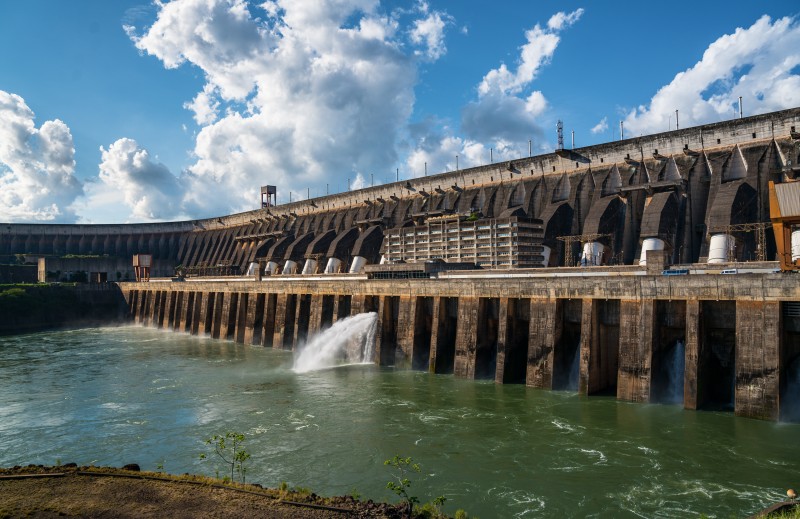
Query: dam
(656, 269)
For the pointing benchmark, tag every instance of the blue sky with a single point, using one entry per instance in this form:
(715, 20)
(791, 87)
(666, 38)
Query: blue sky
(136, 111)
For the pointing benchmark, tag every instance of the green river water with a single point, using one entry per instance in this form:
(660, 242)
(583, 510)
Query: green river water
(111, 396)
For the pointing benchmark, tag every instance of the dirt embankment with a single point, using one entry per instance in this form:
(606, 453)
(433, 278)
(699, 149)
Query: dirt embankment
(38, 491)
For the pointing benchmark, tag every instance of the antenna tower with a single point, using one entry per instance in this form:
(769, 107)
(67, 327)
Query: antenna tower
(560, 127)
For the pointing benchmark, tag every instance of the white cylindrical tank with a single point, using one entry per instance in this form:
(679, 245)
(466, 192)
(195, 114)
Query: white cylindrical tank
(649, 244)
(592, 253)
(251, 269)
(796, 244)
(546, 255)
(384, 261)
(310, 267)
(358, 264)
(719, 248)
(271, 268)
(333, 266)
(290, 267)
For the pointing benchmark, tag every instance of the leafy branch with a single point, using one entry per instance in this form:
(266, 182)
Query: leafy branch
(230, 449)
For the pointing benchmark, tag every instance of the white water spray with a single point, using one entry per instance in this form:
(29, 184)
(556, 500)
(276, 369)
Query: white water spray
(349, 341)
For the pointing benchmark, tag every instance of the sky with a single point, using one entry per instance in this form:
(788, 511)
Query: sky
(137, 111)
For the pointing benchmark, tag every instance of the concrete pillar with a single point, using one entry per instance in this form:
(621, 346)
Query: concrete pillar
(216, 313)
(169, 318)
(301, 320)
(258, 321)
(268, 329)
(225, 310)
(386, 339)
(315, 319)
(206, 308)
(758, 339)
(241, 318)
(434, 334)
(405, 330)
(466, 337)
(589, 369)
(250, 317)
(545, 331)
(138, 303)
(502, 339)
(692, 353)
(186, 314)
(150, 308)
(636, 322)
(280, 321)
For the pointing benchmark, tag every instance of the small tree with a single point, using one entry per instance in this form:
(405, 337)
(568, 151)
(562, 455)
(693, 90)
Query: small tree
(401, 483)
(230, 449)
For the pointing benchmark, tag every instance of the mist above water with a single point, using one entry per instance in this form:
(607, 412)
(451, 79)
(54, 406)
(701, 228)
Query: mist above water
(349, 341)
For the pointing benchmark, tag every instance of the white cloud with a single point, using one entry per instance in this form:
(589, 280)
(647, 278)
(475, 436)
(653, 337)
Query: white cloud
(506, 112)
(147, 187)
(298, 93)
(537, 52)
(430, 32)
(37, 166)
(756, 63)
(563, 20)
(601, 126)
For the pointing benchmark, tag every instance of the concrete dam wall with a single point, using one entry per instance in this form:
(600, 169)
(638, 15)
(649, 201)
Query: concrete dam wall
(737, 337)
(673, 191)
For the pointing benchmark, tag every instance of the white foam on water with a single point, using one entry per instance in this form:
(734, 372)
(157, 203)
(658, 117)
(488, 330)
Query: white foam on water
(349, 341)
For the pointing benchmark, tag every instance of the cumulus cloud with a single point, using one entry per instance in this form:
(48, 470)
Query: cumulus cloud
(297, 93)
(504, 116)
(758, 63)
(37, 166)
(429, 31)
(504, 110)
(601, 126)
(147, 188)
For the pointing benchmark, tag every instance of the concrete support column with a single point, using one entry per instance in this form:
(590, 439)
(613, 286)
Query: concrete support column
(466, 337)
(226, 311)
(169, 318)
(241, 318)
(280, 321)
(216, 315)
(206, 309)
(502, 339)
(758, 339)
(636, 322)
(270, 318)
(589, 366)
(335, 316)
(315, 319)
(434, 334)
(150, 307)
(545, 331)
(405, 330)
(693, 332)
(357, 306)
(185, 316)
(250, 319)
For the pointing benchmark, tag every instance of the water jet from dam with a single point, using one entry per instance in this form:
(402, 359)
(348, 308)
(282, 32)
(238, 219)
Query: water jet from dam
(349, 341)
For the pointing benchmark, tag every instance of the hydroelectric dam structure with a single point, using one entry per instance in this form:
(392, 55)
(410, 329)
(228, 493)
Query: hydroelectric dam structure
(655, 269)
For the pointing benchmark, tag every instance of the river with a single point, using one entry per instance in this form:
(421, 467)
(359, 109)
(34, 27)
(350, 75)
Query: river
(111, 396)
